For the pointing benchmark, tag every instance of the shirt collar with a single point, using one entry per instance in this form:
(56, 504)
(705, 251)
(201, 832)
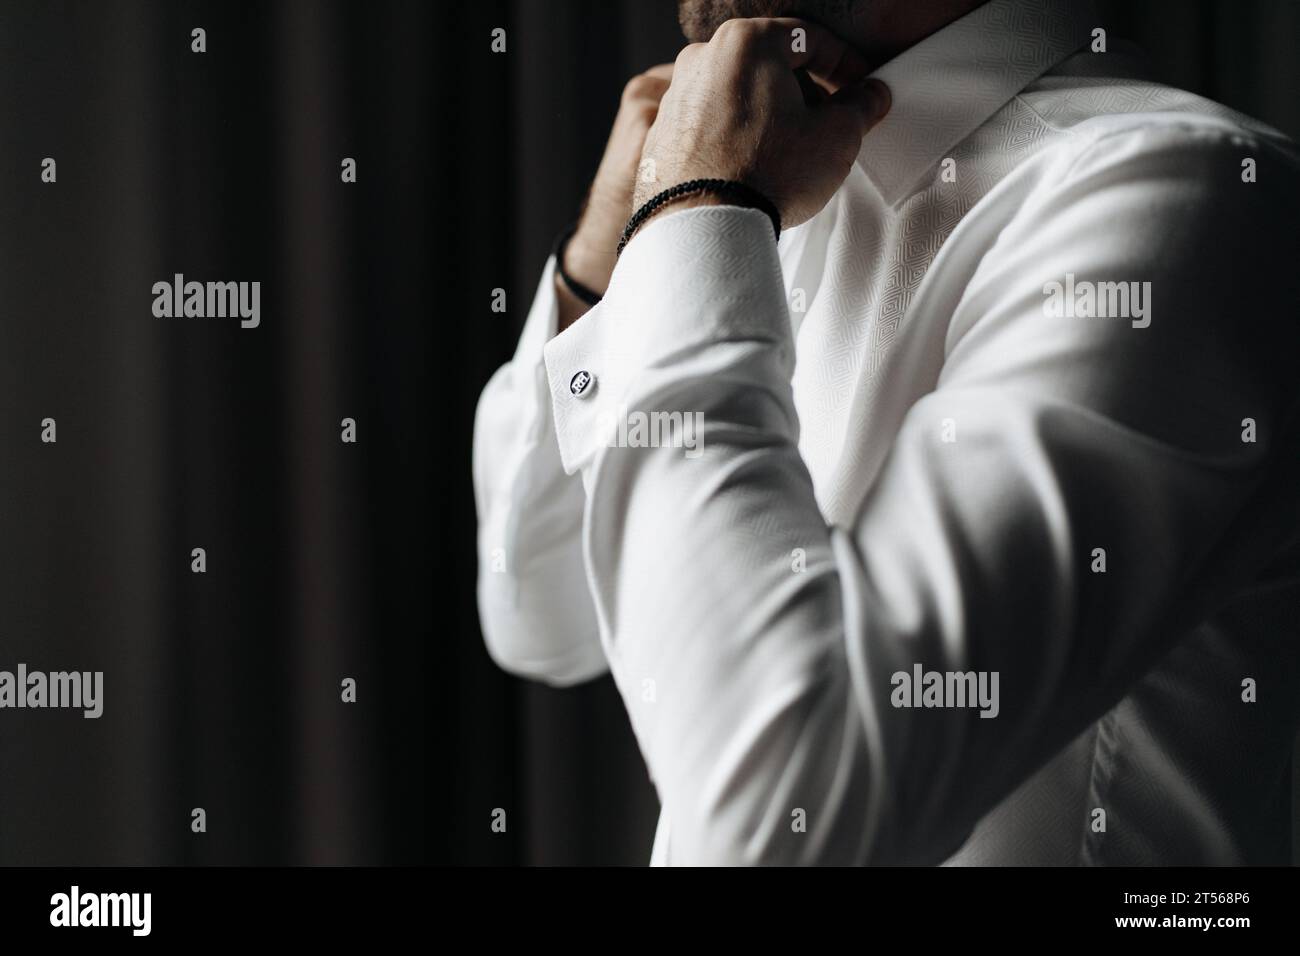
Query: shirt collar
(954, 80)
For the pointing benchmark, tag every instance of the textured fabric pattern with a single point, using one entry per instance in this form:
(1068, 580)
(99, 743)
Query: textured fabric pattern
(759, 690)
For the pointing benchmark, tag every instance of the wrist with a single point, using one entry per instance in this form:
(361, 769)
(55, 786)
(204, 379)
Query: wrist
(591, 263)
(700, 192)
(691, 201)
(581, 277)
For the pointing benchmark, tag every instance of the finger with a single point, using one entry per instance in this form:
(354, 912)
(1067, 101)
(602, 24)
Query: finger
(819, 51)
(804, 45)
(686, 54)
(864, 104)
(663, 71)
(813, 92)
(645, 87)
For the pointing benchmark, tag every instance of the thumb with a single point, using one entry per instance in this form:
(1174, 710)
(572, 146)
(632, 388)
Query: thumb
(865, 103)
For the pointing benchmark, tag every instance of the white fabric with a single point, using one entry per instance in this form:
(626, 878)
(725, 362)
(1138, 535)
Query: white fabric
(917, 470)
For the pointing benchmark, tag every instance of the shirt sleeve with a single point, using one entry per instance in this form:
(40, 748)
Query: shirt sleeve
(534, 606)
(1071, 496)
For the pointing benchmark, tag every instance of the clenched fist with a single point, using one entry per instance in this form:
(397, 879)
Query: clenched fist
(778, 103)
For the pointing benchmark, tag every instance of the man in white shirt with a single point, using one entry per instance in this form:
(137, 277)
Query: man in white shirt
(958, 524)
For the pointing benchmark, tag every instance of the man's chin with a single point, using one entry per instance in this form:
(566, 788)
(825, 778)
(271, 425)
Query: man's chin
(700, 19)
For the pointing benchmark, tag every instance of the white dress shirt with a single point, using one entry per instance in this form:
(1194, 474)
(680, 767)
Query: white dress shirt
(925, 445)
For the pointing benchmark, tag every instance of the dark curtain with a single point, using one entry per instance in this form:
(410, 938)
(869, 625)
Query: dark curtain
(325, 560)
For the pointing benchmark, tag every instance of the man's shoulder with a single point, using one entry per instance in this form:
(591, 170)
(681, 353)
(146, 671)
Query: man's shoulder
(1083, 107)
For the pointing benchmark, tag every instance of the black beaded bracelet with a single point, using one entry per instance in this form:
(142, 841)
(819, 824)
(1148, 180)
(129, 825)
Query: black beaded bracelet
(573, 285)
(728, 188)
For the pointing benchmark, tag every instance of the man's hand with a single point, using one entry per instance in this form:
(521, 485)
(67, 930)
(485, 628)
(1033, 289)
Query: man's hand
(590, 254)
(782, 111)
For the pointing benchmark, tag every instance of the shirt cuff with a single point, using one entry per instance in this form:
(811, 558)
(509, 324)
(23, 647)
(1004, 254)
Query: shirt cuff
(689, 279)
(539, 328)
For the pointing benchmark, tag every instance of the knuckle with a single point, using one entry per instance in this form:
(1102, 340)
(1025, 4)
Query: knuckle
(631, 87)
(739, 30)
(640, 87)
(687, 53)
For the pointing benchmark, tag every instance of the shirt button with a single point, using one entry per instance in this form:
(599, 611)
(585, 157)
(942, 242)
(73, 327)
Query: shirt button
(582, 384)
